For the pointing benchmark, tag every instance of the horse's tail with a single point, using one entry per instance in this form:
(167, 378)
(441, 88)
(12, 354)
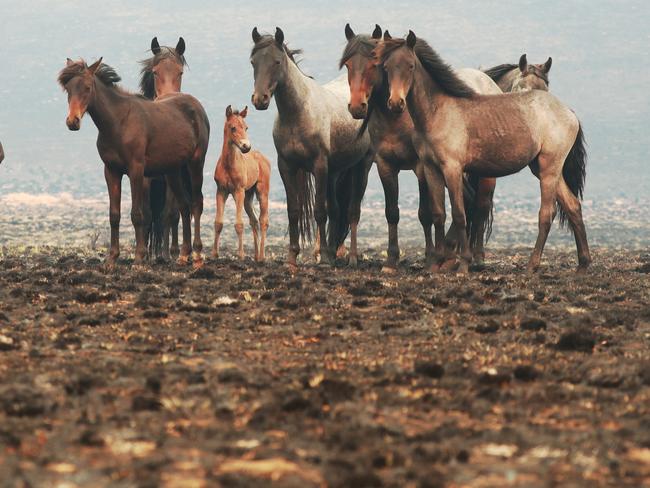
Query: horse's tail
(479, 218)
(574, 171)
(338, 227)
(157, 198)
(305, 189)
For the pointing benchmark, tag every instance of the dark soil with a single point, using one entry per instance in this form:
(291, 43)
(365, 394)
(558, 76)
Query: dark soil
(241, 374)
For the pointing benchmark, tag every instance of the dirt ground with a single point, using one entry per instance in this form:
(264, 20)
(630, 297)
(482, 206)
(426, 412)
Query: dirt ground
(240, 374)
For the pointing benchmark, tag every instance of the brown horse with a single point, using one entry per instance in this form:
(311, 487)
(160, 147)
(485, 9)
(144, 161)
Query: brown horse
(522, 76)
(243, 174)
(161, 75)
(141, 138)
(391, 137)
(491, 135)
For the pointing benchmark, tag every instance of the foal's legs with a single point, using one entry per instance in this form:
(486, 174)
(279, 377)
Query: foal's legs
(136, 178)
(239, 195)
(175, 183)
(358, 191)
(390, 182)
(222, 196)
(252, 219)
(572, 208)
(114, 185)
(288, 175)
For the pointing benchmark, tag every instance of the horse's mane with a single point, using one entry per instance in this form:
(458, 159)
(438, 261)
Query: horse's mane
(433, 64)
(147, 84)
(498, 72)
(360, 44)
(105, 73)
(268, 40)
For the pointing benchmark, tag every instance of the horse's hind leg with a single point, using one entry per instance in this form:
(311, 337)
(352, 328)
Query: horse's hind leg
(358, 191)
(196, 180)
(549, 176)
(573, 210)
(252, 219)
(136, 178)
(425, 214)
(482, 215)
(436, 185)
(175, 183)
(390, 182)
(453, 174)
(290, 180)
(263, 198)
(147, 218)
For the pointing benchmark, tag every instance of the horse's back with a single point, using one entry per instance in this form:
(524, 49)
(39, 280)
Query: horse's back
(478, 81)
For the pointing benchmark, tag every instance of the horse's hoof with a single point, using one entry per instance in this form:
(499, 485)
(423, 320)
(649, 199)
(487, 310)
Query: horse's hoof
(183, 260)
(582, 270)
(386, 269)
(449, 265)
(214, 255)
(293, 268)
(531, 269)
(353, 261)
(463, 268)
(435, 268)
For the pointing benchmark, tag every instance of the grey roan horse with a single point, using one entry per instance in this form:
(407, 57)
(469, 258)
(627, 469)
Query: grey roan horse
(313, 133)
(522, 76)
(492, 135)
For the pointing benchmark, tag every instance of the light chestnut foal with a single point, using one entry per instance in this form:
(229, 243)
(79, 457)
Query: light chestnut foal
(242, 173)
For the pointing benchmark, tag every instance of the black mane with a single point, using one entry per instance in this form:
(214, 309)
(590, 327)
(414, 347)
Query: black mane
(107, 75)
(147, 84)
(361, 44)
(498, 72)
(433, 64)
(268, 40)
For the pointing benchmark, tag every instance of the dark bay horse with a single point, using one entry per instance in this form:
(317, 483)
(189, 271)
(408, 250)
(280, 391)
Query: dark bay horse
(162, 74)
(141, 138)
(242, 173)
(391, 136)
(491, 135)
(522, 76)
(313, 133)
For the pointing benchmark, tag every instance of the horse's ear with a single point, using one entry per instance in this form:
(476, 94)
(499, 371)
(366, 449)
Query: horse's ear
(410, 39)
(69, 62)
(244, 112)
(180, 47)
(349, 33)
(155, 47)
(376, 34)
(93, 67)
(256, 35)
(279, 36)
(547, 65)
(228, 111)
(387, 35)
(523, 63)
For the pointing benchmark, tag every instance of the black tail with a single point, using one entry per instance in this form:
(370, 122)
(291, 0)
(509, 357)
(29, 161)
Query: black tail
(305, 183)
(339, 228)
(574, 171)
(157, 198)
(479, 219)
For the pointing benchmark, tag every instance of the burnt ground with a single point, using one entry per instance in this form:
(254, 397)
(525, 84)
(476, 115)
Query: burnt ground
(240, 374)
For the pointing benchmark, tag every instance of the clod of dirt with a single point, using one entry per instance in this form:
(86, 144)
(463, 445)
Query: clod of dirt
(526, 372)
(605, 379)
(336, 390)
(296, 403)
(439, 301)
(91, 438)
(23, 401)
(94, 296)
(430, 369)
(578, 339)
(533, 324)
(141, 403)
(153, 384)
(231, 375)
(644, 268)
(81, 385)
(489, 327)
(493, 377)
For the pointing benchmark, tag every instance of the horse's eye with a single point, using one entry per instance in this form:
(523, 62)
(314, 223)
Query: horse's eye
(277, 62)
(233, 129)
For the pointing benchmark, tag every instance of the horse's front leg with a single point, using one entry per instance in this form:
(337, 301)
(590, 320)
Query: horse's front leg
(425, 214)
(196, 178)
(321, 208)
(294, 212)
(453, 173)
(136, 178)
(482, 216)
(114, 185)
(436, 188)
(174, 181)
(358, 191)
(239, 194)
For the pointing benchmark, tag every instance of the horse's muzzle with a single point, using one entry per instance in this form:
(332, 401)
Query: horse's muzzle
(245, 147)
(261, 102)
(396, 106)
(73, 123)
(359, 111)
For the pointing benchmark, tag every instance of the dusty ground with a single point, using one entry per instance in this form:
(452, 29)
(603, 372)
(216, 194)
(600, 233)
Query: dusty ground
(242, 375)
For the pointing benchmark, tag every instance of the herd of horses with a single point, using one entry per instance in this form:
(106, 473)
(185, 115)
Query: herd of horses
(401, 106)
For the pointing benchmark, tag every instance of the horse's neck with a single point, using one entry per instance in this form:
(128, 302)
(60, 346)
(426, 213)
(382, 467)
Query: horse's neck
(507, 82)
(107, 107)
(425, 95)
(292, 93)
